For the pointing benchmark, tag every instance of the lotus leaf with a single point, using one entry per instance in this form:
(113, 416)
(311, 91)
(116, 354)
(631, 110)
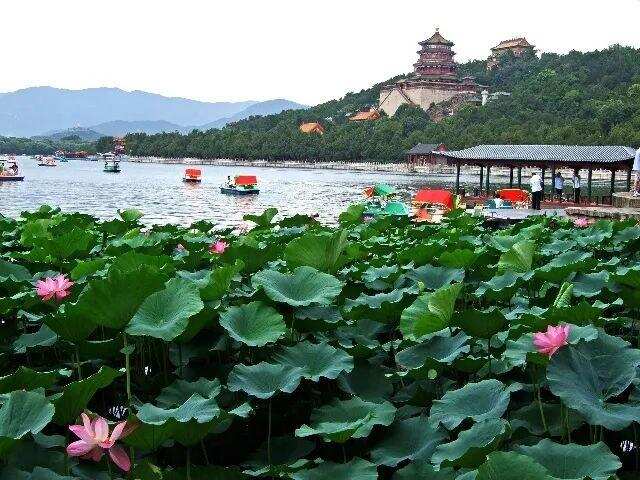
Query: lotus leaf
(356, 469)
(472, 446)
(264, 380)
(316, 360)
(430, 313)
(306, 286)
(254, 324)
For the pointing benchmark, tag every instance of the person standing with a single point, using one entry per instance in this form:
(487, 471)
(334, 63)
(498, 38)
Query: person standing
(636, 168)
(576, 186)
(536, 190)
(558, 185)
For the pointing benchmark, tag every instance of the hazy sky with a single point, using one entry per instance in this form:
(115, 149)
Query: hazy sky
(307, 51)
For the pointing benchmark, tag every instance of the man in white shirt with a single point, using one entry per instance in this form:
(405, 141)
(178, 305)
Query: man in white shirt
(576, 186)
(558, 185)
(536, 190)
(636, 168)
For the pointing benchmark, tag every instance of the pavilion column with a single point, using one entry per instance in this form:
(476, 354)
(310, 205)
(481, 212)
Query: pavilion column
(481, 178)
(488, 171)
(511, 176)
(457, 177)
(629, 180)
(589, 177)
(613, 184)
(553, 182)
(519, 177)
(544, 185)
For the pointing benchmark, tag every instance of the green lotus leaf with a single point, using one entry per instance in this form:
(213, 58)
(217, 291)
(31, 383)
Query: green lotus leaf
(196, 407)
(374, 275)
(130, 215)
(264, 219)
(254, 324)
(574, 462)
(38, 473)
(458, 258)
(181, 390)
(306, 286)
(14, 272)
(264, 380)
(23, 412)
(424, 470)
(282, 458)
(519, 258)
(433, 278)
(382, 307)
(441, 348)
(529, 418)
(366, 381)
(471, 447)
(344, 419)
(322, 251)
(356, 469)
(44, 337)
(316, 360)
(480, 323)
(316, 318)
(562, 265)
(511, 466)
(479, 401)
(430, 313)
(587, 376)
(629, 276)
(112, 301)
(412, 439)
(595, 234)
(76, 395)
(590, 284)
(86, 268)
(502, 286)
(165, 314)
(25, 378)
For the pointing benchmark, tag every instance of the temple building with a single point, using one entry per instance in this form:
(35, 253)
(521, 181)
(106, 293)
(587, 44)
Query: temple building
(312, 127)
(517, 46)
(434, 80)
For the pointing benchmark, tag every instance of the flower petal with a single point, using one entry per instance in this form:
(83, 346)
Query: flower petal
(117, 431)
(120, 457)
(79, 448)
(82, 434)
(101, 429)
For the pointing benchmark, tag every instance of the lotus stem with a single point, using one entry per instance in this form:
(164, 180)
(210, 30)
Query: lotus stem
(189, 463)
(539, 399)
(269, 436)
(128, 370)
(77, 359)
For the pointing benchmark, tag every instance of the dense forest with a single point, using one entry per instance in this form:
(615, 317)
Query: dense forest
(577, 98)
(44, 146)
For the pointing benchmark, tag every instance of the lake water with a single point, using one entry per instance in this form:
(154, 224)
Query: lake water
(158, 191)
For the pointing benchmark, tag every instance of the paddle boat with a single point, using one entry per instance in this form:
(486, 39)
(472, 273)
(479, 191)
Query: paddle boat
(432, 205)
(111, 164)
(514, 198)
(9, 171)
(382, 203)
(47, 162)
(192, 175)
(241, 185)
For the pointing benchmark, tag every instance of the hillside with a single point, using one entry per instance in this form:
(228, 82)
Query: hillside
(577, 98)
(33, 111)
(270, 107)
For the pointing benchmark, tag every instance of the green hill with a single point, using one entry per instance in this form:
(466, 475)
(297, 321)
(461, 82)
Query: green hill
(577, 98)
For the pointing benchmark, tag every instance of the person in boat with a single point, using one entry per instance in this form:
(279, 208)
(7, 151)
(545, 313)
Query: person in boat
(229, 181)
(536, 190)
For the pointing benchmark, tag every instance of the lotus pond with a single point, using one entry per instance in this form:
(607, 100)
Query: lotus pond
(294, 350)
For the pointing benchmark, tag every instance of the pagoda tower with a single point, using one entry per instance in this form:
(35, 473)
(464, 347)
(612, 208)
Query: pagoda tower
(435, 60)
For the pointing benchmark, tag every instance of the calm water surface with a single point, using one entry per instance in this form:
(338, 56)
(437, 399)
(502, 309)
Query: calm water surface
(158, 191)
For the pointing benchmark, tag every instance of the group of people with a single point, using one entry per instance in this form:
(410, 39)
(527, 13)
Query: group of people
(537, 188)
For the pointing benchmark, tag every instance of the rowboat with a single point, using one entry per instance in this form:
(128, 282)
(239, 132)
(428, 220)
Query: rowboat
(241, 185)
(111, 164)
(381, 202)
(47, 162)
(192, 175)
(9, 171)
(432, 205)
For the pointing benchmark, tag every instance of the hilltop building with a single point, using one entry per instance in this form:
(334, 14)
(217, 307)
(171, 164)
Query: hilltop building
(312, 127)
(517, 46)
(434, 80)
(365, 116)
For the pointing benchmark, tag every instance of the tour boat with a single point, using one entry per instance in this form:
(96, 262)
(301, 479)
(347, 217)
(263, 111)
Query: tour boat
(432, 205)
(47, 162)
(9, 171)
(111, 164)
(381, 202)
(192, 175)
(241, 185)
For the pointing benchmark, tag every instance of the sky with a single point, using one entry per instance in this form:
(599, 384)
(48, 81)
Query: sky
(306, 51)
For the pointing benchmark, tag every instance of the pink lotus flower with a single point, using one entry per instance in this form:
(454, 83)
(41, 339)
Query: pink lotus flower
(219, 247)
(95, 439)
(51, 287)
(547, 343)
(581, 222)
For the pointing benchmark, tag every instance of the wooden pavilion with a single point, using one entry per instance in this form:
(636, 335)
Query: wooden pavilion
(545, 157)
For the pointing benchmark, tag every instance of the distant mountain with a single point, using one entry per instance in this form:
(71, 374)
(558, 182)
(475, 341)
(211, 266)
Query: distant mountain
(270, 107)
(80, 133)
(32, 111)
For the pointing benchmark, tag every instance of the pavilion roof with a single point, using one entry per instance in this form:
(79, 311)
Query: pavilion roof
(552, 154)
(513, 42)
(423, 149)
(436, 39)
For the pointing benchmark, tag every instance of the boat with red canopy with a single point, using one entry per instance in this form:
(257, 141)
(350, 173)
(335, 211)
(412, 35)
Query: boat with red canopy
(431, 205)
(241, 185)
(192, 175)
(519, 198)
